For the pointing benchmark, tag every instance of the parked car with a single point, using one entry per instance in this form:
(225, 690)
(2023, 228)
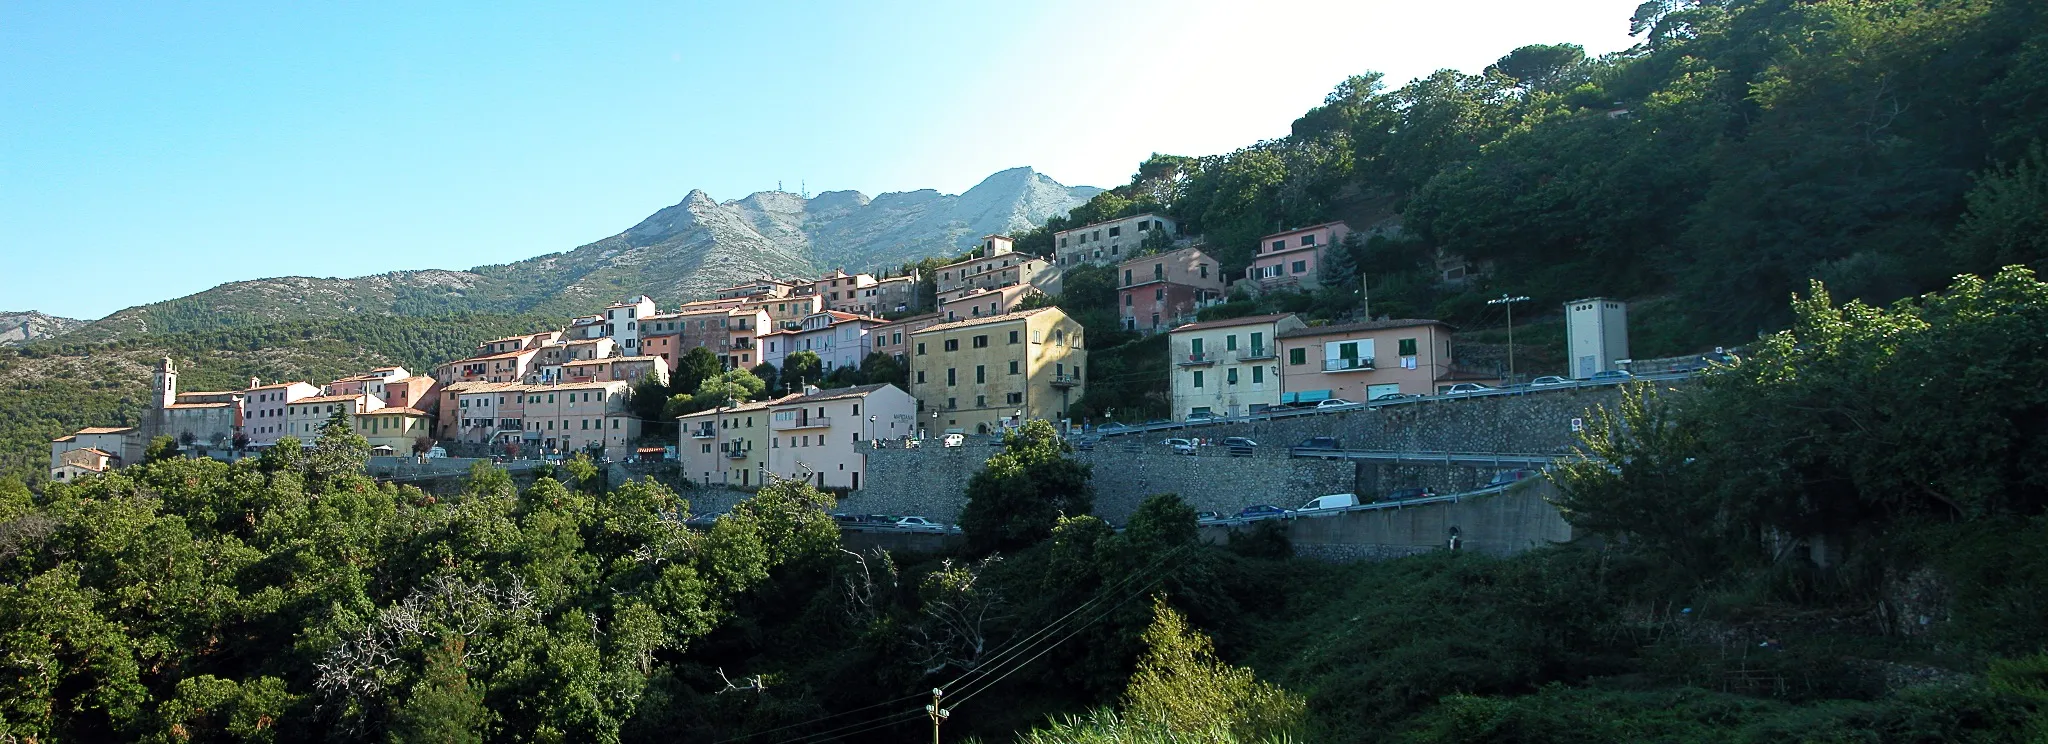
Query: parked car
(954, 440)
(1085, 444)
(1549, 381)
(846, 518)
(1612, 375)
(1467, 388)
(1113, 427)
(1332, 501)
(1207, 516)
(437, 452)
(702, 520)
(1277, 408)
(1332, 403)
(1384, 397)
(1262, 511)
(1201, 416)
(1239, 442)
(1505, 477)
(1180, 446)
(1320, 443)
(919, 524)
(879, 519)
(1404, 494)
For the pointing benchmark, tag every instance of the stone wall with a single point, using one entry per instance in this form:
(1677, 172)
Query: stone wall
(1517, 520)
(1532, 423)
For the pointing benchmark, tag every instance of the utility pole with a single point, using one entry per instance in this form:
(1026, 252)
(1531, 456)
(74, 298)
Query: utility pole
(1510, 303)
(1365, 290)
(937, 713)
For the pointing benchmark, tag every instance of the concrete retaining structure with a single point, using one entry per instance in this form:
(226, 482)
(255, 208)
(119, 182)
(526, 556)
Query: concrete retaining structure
(1502, 524)
(1534, 423)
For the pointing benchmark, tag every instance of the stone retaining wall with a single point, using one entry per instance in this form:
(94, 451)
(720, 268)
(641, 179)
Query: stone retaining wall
(1502, 524)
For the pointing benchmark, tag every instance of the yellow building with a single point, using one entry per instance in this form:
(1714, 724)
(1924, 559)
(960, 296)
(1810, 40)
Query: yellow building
(983, 374)
(397, 428)
(726, 447)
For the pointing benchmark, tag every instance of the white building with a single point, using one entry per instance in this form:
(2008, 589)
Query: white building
(1595, 335)
(1107, 242)
(824, 436)
(839, 339)
(622, 322)
(263, 409)
(305, 416)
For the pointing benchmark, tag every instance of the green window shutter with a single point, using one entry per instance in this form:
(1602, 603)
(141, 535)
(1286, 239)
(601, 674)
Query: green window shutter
(1230, 342)
(1198, 378)
(1297, 356)
(1407, 347)
(1258, 375)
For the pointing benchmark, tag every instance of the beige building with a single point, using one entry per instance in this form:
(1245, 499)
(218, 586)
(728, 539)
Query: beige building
(999, 265)
(985, 374)
(1361, 361)
(975, 302)
(304, 417)
(1107, 242)
(78, 463)
(842, 291)
(396, 428)
(511, 366)
(892, 295)
(483, 412)
(824, 436)
(1227, 367)
(726, 446)
(122, 442)
(562, 420)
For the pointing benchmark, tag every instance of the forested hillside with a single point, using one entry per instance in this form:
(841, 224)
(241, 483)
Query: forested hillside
(53, 388)
(1742, 148)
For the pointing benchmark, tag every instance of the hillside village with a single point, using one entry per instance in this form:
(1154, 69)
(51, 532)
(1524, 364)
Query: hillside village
(978, 346)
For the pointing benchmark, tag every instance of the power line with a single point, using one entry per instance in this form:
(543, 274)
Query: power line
(1056, 644)
(822, 719)
(856, 728)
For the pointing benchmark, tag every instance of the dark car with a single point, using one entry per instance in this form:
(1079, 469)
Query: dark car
(1320, 443)
(846, 518)
(1261, 511)
(1240, 446)
(1404, 494)
(1084, 445)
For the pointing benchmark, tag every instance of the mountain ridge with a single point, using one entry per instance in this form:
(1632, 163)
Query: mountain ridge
(20, 327)
(681, 251)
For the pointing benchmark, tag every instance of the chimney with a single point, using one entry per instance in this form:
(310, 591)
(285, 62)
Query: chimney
(255, 383)
(810, 390)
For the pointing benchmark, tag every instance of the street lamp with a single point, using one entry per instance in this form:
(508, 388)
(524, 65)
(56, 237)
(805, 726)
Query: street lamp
(1510, 303)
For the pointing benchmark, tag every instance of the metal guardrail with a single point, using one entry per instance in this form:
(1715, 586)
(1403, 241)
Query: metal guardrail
(1372, 506)
(1429, 458)
(1124, 429)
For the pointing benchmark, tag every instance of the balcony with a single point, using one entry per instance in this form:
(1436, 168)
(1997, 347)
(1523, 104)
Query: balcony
(1255, 354)
(814, 422)
(1065, 381)
(736, 454)
(1348, 365)
(1195, 360)
(703, 432)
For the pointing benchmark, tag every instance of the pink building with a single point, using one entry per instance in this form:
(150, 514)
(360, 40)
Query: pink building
(1162, 291)
(1365, 360)
(1294, 258)
(841, 291)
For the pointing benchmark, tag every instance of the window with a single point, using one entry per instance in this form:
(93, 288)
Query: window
(981, 342)
(1301, 267)
(1198, 378)
(1013, 337)
(980, 374)
(1309, 239)
(920, 377)
(952, 344)
(1258, 375)
(1115, 231)
(981, 401)
(950, 404)
(1205, 270)
(1230, 342)
(1127, 277)
(920, 349)
(951, 377)
(1159, 294)
(1280, 245)
(1195, 347)
(1230, 376)
(1013, 366)
(1128, 299)
(1297, 356)
(1014, 398)
(1158, 271)
(1407, 347)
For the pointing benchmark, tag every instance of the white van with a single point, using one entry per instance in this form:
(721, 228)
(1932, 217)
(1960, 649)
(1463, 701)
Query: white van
(954, 440)
(1332, 501)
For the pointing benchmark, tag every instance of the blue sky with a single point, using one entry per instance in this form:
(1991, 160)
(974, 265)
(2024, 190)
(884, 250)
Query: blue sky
(153, 150)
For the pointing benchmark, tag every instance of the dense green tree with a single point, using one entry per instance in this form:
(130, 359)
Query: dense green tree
(2007, 222)
(445, 707)
(1019, 495)
(881, 368)
(696, 365)
(1542, 66)
(340, 451)
(160, 448)
(801, 368)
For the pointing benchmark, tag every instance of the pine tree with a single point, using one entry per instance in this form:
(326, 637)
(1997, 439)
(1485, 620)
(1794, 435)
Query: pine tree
(445, 707)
